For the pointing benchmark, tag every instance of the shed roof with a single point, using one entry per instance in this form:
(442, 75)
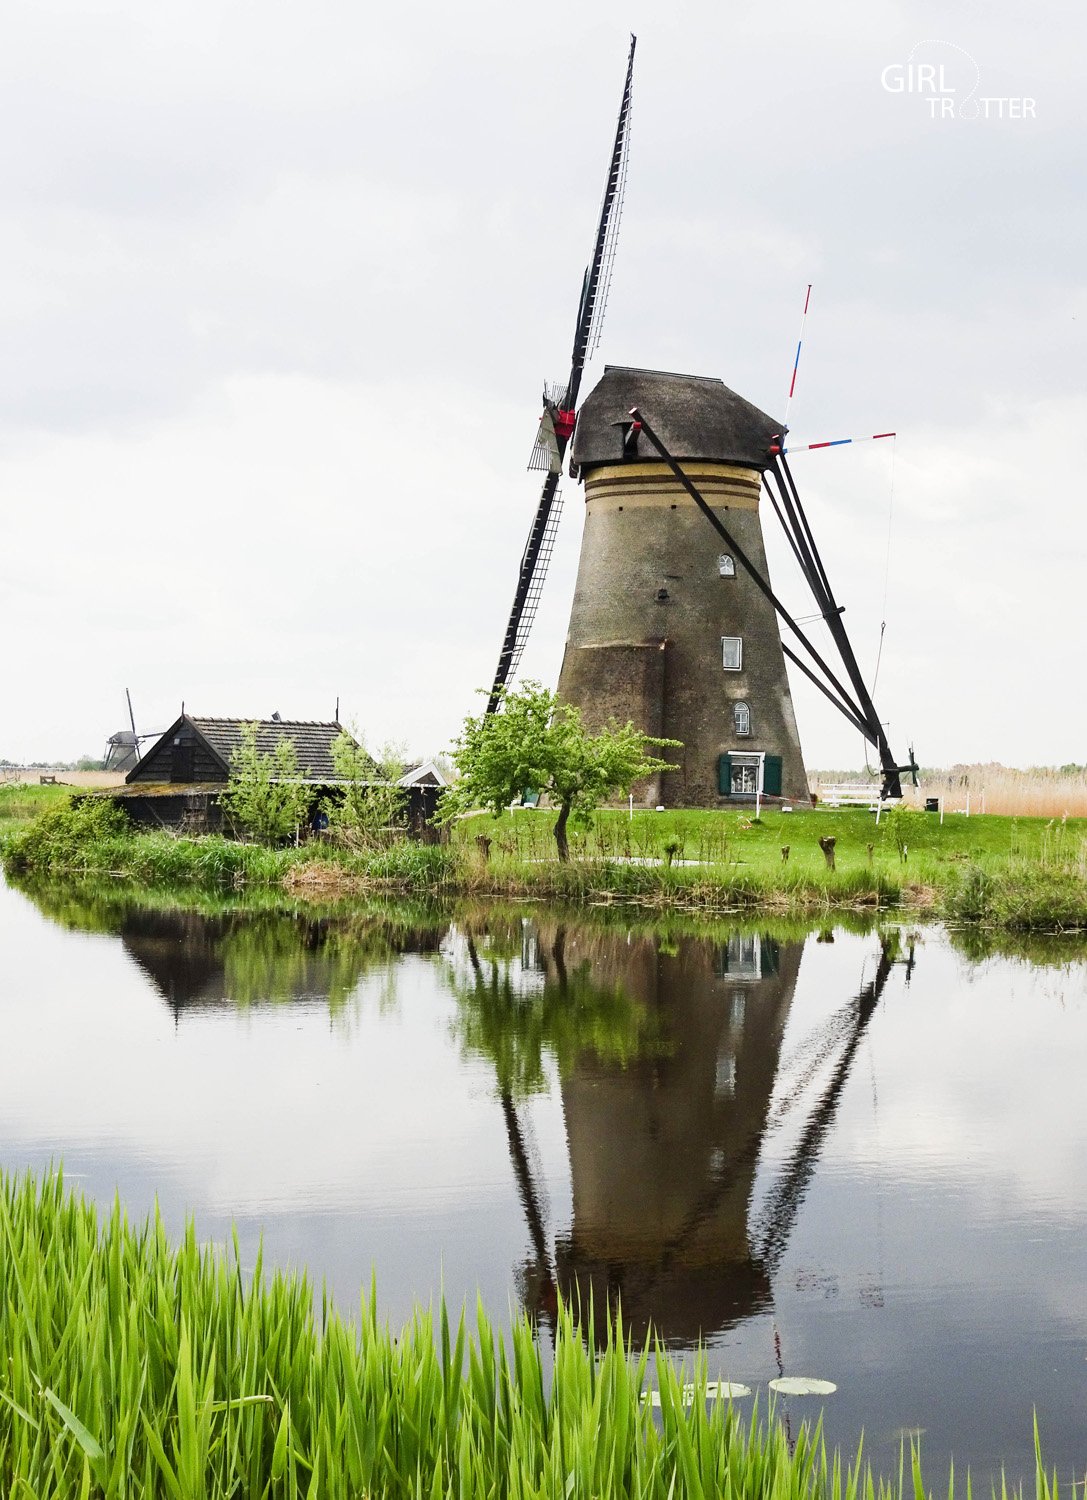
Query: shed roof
(312, 741)
(695, 417)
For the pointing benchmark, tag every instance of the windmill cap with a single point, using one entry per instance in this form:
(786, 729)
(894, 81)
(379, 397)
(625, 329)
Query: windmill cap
(695, 417)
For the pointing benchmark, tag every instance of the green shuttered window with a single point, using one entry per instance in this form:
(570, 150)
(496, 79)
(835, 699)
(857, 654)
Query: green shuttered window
(744, 781)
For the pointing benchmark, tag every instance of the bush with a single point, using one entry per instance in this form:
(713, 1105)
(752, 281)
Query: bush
(79, 835)
(1023, 896)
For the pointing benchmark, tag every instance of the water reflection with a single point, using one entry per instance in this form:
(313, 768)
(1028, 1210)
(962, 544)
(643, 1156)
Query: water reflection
(199, 962)
(815, 1150)
(668, 1055)
(666, 1050)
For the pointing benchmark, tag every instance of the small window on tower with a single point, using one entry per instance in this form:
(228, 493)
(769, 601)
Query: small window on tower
(741, 719)
(725, 566)
(732, 652)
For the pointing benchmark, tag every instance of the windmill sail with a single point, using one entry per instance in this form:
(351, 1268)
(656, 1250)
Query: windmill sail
(557, 424)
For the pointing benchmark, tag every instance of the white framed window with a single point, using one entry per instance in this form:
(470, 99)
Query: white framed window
(741, 719)
(744, 772)
(726, 567)
(732, 653)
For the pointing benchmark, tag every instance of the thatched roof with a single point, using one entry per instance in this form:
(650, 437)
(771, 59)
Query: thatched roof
(695, 417)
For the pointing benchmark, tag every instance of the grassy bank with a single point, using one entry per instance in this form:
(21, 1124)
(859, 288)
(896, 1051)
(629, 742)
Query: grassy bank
(1019, 874)
(21, 802)
(132, 1368)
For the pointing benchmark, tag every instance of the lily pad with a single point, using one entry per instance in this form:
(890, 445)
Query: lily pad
(802, 1385)
(716, 1390)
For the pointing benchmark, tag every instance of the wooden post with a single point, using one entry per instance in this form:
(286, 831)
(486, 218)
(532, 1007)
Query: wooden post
(785, 854)
(827, 846)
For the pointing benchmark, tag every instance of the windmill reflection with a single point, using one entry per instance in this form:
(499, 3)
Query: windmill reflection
(668, 1054)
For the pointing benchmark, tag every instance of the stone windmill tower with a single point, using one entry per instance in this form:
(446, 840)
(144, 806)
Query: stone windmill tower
(667, 630)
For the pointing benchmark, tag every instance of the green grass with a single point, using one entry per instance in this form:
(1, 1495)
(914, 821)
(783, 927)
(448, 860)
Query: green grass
(22, 801)
(132, 1369)
(1023, 874)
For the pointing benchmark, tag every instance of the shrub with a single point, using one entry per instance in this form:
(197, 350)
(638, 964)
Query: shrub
(81, 834)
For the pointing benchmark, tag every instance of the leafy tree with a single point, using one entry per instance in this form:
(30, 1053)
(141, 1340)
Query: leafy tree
(369, 802)
(536, 741)
(265, 794)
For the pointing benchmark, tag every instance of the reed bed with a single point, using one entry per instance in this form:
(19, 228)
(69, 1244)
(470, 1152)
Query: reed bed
(132, 1369)
(1034, 792)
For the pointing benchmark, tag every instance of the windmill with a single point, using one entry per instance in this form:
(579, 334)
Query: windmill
(560, 403)
(659, 614)
(123, 747)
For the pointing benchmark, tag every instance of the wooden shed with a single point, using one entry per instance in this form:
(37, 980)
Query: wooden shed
(177, 783)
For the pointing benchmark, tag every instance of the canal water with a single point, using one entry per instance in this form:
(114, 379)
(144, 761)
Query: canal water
(854, 1155)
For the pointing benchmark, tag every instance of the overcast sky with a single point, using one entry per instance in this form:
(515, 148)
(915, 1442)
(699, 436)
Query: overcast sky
(280, 285)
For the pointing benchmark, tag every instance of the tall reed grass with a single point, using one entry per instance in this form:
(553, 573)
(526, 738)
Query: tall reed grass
(130, 1369)
(1033, 792)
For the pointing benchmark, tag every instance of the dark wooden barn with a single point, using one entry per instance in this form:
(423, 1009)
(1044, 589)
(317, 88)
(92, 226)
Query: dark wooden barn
(177, 783)
(198, 751)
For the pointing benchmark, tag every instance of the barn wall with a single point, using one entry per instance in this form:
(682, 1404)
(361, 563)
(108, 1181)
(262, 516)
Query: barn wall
(158, 765)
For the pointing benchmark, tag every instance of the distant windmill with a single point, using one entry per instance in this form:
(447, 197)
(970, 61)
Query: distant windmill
(123, 747)
(560, 402)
